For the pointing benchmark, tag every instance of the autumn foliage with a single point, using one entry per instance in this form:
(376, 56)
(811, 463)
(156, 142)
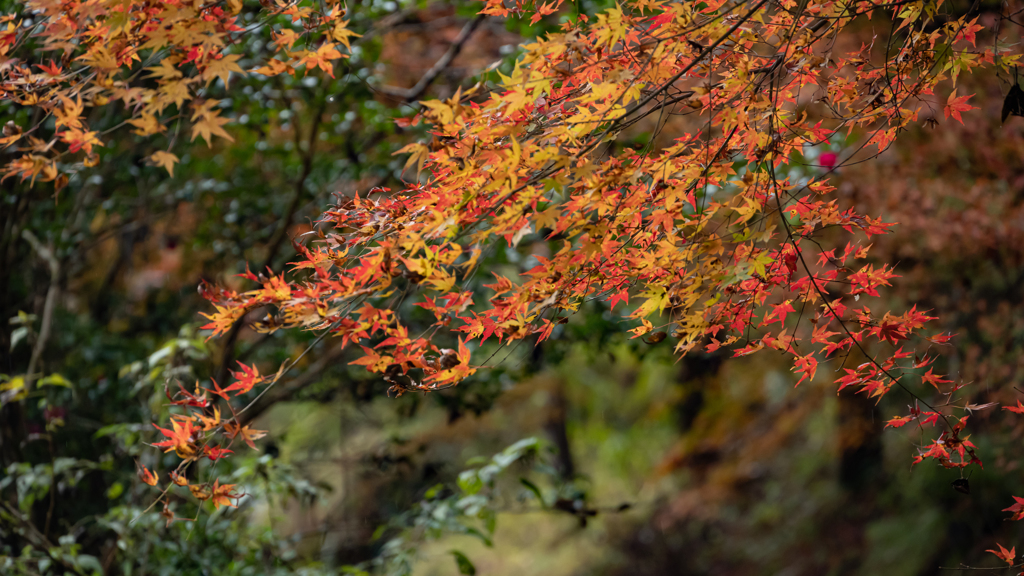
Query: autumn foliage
(718, 232)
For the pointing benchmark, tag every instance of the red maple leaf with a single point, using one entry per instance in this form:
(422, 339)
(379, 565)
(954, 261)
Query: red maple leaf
(1017, 508)
(934, 379)
(248, 377)
(216, 453)
(954, 106)
(805, 365)
(899, 421)
(1018, 409)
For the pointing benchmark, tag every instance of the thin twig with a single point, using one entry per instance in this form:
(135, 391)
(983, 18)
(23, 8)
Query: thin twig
(414, 93)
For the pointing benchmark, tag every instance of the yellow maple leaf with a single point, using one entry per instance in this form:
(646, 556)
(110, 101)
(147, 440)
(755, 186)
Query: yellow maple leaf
(147, 125)
(222, 68)
(418, 155)
(341, 33)
(69, 112)
(208, 123)
(175, 91)
(164, 159)
(274, 67)
(166, 70)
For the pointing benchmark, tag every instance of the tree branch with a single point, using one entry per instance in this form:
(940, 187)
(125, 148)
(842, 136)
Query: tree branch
(414, 93)
(51, 299)
(309, 376)
(34, 537)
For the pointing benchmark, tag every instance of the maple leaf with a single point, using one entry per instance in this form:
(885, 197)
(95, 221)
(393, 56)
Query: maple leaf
(216, 452)
(341, 34)
(1017, 508)
(208, 123)
(209, 422)
(222, 68)
(147, 476)
(80, 140)
(934, 379)
(164, 159)
(200, 492)
(621, 296)
(223, 319)
(968, 31)
(222, 494)
(52, 70)
(273, 67)
(223, 393)
(1018, 409)
(246, 378)
(167, 513)
(233, 430)
(322, 58)
(69, 113)
(954, 106)
(181, 438)
(147, 125)
(166, 70)
(1005, 555)
(900, 421)
(807, 366)
(175, 91)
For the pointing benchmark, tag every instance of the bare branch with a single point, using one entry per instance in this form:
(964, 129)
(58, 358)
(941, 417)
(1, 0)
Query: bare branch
(414, 93)
(51, 299)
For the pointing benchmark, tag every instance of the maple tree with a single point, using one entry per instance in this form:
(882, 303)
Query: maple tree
(725, 236)
(708, 235)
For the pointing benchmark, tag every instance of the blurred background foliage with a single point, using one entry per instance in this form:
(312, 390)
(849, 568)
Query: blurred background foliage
(590, 454)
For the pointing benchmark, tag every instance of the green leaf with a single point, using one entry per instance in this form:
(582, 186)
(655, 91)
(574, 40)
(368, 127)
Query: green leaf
(55, 380)
(465, 566)
(115, 490)
(470, 482)
(535, 489)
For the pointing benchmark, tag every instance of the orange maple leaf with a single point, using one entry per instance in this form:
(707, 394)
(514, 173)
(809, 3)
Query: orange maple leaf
(1004, 554)
(147, 476)
(322, 58)
(233, 430)
(181, 438)
(80, 140)
(222, 494)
